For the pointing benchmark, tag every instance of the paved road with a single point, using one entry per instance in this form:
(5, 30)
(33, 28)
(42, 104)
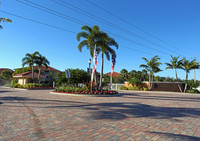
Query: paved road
(38, 115)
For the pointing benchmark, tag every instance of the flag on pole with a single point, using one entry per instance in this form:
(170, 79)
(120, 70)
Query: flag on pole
(94, 64)
(112, 69)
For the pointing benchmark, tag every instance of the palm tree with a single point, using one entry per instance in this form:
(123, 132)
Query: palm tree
(188, 65)
(175, 64)
(104, 43)
(152, 66)
(30, 60)
(41, 61)
(91, 36)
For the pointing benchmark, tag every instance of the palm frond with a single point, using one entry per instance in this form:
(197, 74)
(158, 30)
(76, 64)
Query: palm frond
(86, 28)
(82, 44)
(81, 35)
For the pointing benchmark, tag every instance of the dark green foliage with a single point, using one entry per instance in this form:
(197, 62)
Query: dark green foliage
(5, 74)
(61, 79)
(192, 84)
(123, 88)
(77, 76)
(21, 70)
(135, 80)
(193, 91)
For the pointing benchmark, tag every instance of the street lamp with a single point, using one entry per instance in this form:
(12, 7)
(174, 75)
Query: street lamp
(89, 65)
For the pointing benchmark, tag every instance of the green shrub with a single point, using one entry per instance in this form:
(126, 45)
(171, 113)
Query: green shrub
(134, 81)
(192, 91)
(29, 85)
(145, 89)
(192, 84)
(17, 85)
(123, 88)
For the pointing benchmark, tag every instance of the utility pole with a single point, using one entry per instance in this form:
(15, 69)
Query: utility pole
(194, 73)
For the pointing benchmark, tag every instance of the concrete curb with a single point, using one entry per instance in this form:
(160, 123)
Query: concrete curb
(159, 92)
(86, 95)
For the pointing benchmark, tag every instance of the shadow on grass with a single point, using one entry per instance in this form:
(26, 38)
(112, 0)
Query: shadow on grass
(178, 136)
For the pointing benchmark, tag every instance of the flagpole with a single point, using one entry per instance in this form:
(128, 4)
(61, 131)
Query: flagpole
(94, 65)
(111, 76)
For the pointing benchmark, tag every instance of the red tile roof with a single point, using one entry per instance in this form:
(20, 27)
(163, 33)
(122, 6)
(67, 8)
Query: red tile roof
(115, 74)
(49, 68)
(2, 69)
(29, 74)
(44, 68)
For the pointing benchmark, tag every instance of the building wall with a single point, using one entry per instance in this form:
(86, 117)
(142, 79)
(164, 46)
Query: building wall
(161, 86)
(22, 81)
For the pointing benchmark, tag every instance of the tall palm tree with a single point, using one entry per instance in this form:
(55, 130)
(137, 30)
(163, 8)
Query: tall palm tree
(188, 65)
(152, 66)
(104, 43)
(30, 60)
(41, 61)
(175, 64)
(90, 36)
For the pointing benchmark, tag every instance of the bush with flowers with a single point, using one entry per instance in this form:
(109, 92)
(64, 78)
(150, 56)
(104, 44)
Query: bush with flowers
(83, 90)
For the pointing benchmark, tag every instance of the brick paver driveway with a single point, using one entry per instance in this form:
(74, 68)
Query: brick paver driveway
(38, 115)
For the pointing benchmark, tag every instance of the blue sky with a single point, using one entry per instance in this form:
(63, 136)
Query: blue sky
(177, 22)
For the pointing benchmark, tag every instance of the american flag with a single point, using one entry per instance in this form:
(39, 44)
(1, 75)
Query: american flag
(112, 69)
(94, 64)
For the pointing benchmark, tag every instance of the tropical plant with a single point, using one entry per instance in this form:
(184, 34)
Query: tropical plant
(175, 64)
(104, 43)
(90, 36)
(124, 74)
(152, 66)
(41, 61)
(5, 74)
(187, 66)
(30, 60)
(134, 81)
(94, 37)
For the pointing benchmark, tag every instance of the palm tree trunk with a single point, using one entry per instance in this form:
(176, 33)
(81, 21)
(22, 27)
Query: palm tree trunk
(178, 81)
(95, 77)
(33, 73)
(101, 75)
(152, 81)
(149, 80)
(186, 80)
(39, 75)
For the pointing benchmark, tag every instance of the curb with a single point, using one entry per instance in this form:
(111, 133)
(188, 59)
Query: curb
(159, 92)
(86, 95)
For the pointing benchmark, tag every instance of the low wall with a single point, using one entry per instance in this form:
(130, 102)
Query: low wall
(161, 86)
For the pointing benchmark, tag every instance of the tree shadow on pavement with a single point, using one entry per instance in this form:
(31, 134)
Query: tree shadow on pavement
(111, 110)
(178, 136)
(5, 91)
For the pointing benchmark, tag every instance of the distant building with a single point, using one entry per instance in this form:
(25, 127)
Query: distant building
(47, 72)
(45, 75)
(26, 77)
(115, 74)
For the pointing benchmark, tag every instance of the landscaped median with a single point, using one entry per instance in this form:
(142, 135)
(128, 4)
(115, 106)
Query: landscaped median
(82, 91)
